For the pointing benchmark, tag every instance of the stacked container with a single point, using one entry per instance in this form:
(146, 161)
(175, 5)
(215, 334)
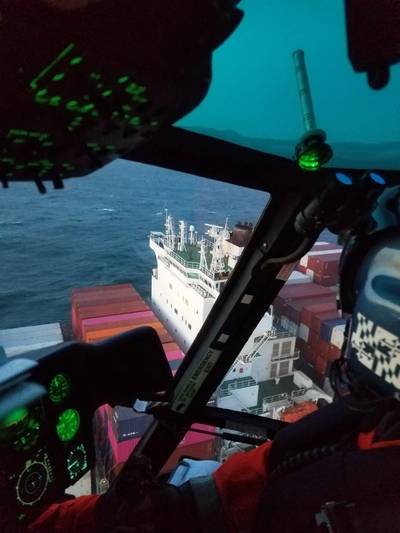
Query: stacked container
(115, 449)
(104, 311)
(310, 310)
(17, 341)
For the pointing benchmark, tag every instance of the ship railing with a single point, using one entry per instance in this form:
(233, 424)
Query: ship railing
(291, 355)
(299, 392)
(276, 398)
(226, 390)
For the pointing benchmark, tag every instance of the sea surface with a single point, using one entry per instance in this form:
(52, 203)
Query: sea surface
(96, 231)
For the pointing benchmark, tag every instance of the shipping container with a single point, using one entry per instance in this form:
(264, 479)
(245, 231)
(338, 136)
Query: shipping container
(136, 323)
(116, 318)
(127, 424)
(316, 309)
(104, 296)
(304, 332)
(320, 251)
(16, 341)
(327, 280)
(327, 328)
(324, 263)
(297, 277)
(337, 337)
(318, 319)
(302, 291)
(100, 288)
(98, 336)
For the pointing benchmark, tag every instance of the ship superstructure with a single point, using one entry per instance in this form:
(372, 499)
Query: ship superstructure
(191, 272)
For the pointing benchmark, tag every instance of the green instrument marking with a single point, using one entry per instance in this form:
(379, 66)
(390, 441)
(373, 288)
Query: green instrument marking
(60, 386)
(76, 60)
(61, 55)
(58, 77)
(68, 425)
(122, 79)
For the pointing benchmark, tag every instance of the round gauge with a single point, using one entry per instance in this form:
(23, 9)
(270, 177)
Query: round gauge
(59, 388)
(77, 462)
(32, 483)
(68, 424)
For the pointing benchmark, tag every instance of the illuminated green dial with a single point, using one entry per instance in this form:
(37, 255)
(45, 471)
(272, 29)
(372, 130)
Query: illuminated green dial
(59, 388)
(68, 424)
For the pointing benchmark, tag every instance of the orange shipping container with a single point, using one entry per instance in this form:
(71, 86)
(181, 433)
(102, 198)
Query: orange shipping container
(101, 288)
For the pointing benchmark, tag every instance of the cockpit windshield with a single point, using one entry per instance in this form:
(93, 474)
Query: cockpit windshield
(253, 100)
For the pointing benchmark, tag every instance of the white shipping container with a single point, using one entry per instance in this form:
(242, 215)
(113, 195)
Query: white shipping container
(298, 277)
(337, 336)
(304, 332)
(310, 273)
(19, 340)
(292, 328)
(18, 350)
(30, 331)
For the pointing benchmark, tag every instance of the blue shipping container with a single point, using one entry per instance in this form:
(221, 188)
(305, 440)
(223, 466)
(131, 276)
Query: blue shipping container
(327, 328)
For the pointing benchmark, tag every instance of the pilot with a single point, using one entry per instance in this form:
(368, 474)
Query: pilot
(336, 470)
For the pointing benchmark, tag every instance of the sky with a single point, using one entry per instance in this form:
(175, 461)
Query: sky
(254, 91)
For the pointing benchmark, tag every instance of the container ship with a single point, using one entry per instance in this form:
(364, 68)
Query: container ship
(281, 371)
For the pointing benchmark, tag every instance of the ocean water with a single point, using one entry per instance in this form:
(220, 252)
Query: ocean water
(96, 230)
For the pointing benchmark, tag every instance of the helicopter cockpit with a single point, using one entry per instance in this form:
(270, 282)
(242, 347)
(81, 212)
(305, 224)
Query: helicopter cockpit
(170, 84)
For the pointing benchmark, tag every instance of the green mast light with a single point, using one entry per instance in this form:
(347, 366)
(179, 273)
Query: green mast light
(68, 424)
(312, 151)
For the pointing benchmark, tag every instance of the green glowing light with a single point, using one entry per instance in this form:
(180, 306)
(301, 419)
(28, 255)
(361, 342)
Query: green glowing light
(87, 108)
(61, 55)
(55, 101)
(58, 77)
(68, 425)
(42, 92)
(135, 121)
(76, 60)
(72, 105)
(59, 388)
(122, 79)
(310, 160)
(14, 419)
(107, 93)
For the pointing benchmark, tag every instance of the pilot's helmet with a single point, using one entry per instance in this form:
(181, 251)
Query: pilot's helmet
(370, 290)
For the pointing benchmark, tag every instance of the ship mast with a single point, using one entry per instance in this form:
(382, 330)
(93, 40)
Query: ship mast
(169, 241)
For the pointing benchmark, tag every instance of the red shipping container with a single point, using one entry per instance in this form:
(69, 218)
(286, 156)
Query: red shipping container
(101, 288)
(313, 338)
(118, 324)
(316, 309)
(107, 301)
(94, 296)
(334, 353)
(322, 349)
(308, 354)
(116, 318)
(111, 309)
(323, 264)
(327, 281)
(321, 365)
(318, 319)
(303, 291)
